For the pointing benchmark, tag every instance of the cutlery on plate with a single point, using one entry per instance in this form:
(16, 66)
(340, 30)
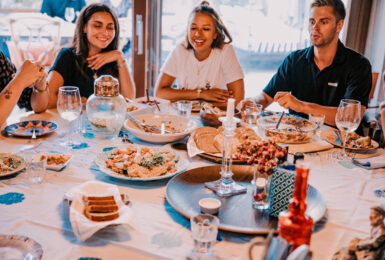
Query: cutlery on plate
(280, 119)
(34, 133)
(339, 137)
(148, 128)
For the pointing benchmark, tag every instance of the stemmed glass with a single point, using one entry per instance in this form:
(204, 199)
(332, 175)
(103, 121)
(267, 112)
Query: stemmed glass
(69, 106)
(348, 118)
(69, 14)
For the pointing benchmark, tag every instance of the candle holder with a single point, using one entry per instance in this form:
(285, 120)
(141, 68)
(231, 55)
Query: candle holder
(226, 186)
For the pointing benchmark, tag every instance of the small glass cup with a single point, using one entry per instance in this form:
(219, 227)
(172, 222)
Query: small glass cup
(204, 231)
(184, 107)
(252, 112)
(317, 119)
(36, 169)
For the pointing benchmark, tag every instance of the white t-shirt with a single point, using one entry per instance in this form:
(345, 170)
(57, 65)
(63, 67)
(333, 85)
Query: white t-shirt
(219, 69)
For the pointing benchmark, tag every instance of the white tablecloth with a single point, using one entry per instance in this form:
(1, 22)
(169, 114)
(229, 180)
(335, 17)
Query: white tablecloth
(158, 231)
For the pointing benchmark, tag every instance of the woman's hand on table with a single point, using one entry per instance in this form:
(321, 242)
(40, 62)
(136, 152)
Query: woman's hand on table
(216, 95)
(96, 61)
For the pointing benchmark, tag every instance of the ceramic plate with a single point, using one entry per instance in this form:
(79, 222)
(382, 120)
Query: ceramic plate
(183, 125)
(332, 138)
(181, 165)
(196, 105)
(236, 213)
(143, 100)
(131, 107)
(26, 128)
(19, 163)
(19, 247)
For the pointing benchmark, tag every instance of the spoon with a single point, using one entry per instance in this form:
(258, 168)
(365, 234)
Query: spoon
(279, 120)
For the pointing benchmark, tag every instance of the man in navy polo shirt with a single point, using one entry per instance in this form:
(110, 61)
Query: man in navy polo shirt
(315, 79)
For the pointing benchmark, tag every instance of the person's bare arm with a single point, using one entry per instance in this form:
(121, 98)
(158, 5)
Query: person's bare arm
(237, 90)
(286, 100)
(40, 96)
(55, 81)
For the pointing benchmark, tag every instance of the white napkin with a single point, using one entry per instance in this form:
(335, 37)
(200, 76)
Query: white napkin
(83, 227)
(316, 144)
(371, 163)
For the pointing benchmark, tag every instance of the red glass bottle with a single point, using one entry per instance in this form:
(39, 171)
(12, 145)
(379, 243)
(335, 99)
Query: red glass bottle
(294, 225)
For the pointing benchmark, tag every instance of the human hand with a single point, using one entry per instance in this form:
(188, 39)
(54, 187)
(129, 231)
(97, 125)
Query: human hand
(96, 61)
(216, 95)
(241, 106)
(41, 85)
(30, 73)
(287, 100)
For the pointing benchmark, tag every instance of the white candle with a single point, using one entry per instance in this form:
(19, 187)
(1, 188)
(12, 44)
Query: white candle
(261, 183)
(230, 109)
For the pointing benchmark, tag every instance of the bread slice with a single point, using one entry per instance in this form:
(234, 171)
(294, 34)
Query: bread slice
(101, 216)
(100, 202)
(204, 131)
(102, 208)
(87, 198)
(205, 142)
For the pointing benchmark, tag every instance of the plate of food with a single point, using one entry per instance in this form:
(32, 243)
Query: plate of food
(210, 114)
(175, 127)
(132, 106)
(291, 130)
(55, 161)
(141, 163)
(353, 142)
(19, 247)
(196, 105)
(27, 128)
(151, 101)
(11, 164)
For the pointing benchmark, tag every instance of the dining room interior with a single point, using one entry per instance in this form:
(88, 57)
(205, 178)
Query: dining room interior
(131, 175)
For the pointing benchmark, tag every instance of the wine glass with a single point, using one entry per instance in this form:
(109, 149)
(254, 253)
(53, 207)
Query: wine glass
(69, 106)
(69, 14)
(348, 118)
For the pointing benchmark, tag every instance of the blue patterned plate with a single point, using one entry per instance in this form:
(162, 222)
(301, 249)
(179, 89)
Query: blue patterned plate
(26, 128)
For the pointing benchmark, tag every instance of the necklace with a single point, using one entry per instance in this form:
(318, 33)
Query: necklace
(199, 68)
(95, 76)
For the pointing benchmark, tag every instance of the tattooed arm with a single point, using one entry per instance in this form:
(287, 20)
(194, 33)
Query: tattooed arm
(27, 75)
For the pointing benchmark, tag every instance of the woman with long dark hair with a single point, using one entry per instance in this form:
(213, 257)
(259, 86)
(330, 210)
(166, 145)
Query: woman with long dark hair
(204, 65)
(94, 52)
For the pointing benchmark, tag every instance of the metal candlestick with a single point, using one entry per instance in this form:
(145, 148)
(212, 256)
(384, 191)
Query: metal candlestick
(226, 186)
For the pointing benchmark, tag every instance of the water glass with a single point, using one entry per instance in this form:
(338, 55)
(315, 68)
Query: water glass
(317, 119)
(184, 107)
(252, 113)
(36, 169)
(204, 230)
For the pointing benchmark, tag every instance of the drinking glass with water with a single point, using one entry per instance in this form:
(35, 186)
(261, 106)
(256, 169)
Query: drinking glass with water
(204, 229)
(252, 113)
(184, 107)
(317, 119)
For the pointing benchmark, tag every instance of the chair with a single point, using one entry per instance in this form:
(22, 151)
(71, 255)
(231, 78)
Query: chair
(34, 38)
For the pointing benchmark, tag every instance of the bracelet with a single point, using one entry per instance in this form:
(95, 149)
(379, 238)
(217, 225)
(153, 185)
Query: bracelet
(199, 93)
(122, 64)
(41, 90)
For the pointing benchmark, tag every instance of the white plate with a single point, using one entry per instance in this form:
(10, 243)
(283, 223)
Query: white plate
(186, 125)
(57, 167)
(180, 166)
(139, 107)
(19, 247)
(21, 164)
(159, 100)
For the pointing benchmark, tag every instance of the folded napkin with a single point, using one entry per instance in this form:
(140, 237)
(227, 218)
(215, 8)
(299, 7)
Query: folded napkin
(316, 144)
(371, 163)
(83, 227)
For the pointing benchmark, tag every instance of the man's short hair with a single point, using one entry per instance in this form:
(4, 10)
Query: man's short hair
(337, 5)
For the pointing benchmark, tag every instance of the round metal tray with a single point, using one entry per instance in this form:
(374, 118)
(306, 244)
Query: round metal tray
(236, 213)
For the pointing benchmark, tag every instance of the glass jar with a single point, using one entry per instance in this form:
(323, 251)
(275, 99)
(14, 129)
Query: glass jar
(106, 108)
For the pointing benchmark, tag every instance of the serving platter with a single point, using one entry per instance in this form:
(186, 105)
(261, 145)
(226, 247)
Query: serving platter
(19, 247)
(20, 163)
(333, 139)
(236, 213)
(26, 128)
(180, 166)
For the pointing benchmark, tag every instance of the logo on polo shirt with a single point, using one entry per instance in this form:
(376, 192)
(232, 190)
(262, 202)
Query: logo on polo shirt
(333, 84)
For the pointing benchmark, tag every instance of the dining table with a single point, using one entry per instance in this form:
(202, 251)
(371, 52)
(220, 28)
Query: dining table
(156, 230)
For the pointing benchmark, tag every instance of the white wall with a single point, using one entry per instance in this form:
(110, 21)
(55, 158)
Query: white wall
(375, 45)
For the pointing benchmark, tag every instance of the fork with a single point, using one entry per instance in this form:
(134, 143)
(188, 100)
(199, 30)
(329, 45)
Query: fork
(147, 128)
(34, 134)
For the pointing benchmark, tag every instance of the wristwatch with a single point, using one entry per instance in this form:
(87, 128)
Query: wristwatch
(199, 92)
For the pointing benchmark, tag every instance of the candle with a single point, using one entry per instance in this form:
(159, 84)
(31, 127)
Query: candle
(230, 109)
(261, 183)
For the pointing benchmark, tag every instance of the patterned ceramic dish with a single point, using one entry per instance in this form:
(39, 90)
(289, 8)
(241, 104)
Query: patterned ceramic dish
(26, 128)
(19, 247)
(18, 164)
(55, 161)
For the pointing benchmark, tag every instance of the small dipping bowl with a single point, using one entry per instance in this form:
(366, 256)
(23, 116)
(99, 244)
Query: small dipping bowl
(210, 205)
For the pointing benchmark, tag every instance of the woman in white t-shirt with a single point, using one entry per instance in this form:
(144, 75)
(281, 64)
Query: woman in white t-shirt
(205, 66)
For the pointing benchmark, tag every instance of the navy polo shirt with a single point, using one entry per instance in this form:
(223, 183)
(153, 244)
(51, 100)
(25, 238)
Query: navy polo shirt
(349, 76)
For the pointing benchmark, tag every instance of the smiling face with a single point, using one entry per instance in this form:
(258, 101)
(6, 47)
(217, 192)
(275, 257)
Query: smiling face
(201, 34)
(323, 26)
(100, 31)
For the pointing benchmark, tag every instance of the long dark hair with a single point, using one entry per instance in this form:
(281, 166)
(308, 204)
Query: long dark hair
(80, 42)
(221, 30)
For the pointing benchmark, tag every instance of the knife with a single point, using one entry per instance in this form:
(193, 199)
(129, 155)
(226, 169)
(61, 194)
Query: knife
(338, 140)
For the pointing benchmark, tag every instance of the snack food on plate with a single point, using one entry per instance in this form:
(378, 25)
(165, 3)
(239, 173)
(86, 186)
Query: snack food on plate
(354, 140)
(101, 212)
(55, 158)
(9, 163)
(144, 163)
